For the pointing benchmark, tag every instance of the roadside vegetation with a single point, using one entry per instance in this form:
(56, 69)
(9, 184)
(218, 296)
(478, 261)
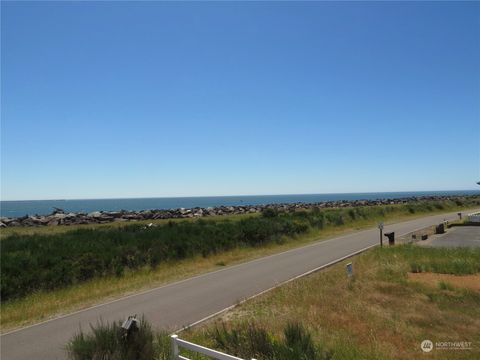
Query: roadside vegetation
(380, 313)
(45, 262)
(111, 341)
(45, 274)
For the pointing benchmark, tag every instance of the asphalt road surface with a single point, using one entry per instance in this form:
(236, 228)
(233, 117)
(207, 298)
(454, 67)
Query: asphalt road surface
(185, 302)
(459, 236)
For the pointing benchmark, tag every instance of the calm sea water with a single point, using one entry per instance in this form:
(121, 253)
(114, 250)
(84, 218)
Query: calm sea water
(43, 207)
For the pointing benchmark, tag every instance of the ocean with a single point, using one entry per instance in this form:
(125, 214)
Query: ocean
(44, 207)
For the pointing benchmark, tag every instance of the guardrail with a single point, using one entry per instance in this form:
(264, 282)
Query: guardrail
(177, 343)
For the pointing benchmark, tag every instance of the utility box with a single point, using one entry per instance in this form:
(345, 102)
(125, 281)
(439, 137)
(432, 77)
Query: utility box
(440, 229)
(130, 326)
(391, 238)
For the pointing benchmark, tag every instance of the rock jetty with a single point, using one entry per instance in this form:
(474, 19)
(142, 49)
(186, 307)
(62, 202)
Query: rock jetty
(60, 217)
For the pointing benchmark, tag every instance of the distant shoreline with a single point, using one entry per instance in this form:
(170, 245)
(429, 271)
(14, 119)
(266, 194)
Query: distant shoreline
(14, 209)
(60, 216)
(368, 193)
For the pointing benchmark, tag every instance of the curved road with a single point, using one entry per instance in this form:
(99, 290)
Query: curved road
(185, 302)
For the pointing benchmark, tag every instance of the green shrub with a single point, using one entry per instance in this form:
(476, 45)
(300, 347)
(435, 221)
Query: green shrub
(297, 345)
(352, 214)
(270, 213)
(248, 340)
(443, 285)
(109, 342)
(162, 346)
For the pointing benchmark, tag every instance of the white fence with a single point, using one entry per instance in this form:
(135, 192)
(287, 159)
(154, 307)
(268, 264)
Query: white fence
(475, 217)
(179, 343)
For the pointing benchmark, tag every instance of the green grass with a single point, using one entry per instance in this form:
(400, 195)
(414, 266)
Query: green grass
(457, 261)
(444, 285)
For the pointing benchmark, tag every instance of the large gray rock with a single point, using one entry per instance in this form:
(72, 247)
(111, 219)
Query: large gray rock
(57, 210)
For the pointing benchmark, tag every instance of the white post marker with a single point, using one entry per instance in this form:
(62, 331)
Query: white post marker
(349, 269)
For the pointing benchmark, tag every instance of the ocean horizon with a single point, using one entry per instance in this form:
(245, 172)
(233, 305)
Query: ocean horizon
(17, 208)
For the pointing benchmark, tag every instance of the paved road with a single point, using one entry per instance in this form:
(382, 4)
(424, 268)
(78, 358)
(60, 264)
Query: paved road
(188, 301)
(461, 236)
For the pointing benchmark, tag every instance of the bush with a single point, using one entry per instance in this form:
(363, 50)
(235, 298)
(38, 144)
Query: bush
(162, 345)
(270, 213)
(109, 342)
(298, 344)
(443, 285)
(248, 340)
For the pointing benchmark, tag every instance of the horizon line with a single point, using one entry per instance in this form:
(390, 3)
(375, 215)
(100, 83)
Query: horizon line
(242, 195)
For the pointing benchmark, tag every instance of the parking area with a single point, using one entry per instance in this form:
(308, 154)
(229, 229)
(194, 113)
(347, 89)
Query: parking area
(465, 236)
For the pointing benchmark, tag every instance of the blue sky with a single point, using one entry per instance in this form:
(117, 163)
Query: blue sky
(124, 99)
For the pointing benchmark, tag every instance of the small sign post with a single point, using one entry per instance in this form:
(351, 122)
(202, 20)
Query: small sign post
(380, 227)
(349, 270)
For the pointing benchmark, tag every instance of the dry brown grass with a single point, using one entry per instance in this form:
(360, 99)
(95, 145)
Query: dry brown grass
(379, 314)
(463, 281)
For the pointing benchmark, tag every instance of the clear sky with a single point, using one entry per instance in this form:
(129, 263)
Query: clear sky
(120, 99)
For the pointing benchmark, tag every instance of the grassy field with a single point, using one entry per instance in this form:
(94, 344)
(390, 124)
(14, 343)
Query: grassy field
(45, 304)
(381, 313)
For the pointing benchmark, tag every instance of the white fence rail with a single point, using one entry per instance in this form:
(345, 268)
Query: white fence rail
(474, 217)
(179, 343)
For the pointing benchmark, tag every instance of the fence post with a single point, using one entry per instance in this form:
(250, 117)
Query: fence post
(174, 347)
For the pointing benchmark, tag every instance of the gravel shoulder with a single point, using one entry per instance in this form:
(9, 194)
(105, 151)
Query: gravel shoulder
(460, 236)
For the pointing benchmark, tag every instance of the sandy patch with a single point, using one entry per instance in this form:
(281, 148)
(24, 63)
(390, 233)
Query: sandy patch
(461, 281)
